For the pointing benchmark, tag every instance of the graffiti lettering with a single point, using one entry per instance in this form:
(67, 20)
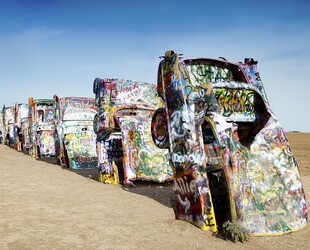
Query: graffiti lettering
(202, 73)
(184, 186)
(184, 203)
(177, 125)
(234, 102)
(191, 158)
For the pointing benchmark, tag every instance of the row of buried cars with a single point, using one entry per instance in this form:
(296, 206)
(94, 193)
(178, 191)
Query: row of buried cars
(207, 126)
(58, 128)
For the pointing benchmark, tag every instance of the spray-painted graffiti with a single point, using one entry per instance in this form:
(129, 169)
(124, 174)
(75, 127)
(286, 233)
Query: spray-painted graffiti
(238, 103)
(267, 184)
(250, 67)
(141, 157)
(209, 73)
(25, 133)
(81, 149)
(41, 128)
(8, 126)
(21, 127)
(1, 127)
(123, 126)
(45, 142)
(231, 147)
(186, 108)
(75, 137)
(193, 202)
(109, 152)
(13, 126)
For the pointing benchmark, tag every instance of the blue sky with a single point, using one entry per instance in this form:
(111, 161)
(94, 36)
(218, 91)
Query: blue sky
(58, 47)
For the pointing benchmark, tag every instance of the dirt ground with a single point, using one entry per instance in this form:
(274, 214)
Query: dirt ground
(43, 206)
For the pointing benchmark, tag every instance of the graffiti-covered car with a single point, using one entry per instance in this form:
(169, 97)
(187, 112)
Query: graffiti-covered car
(21, 127)
(1, 127)
(8, 126)
(42, 143)
(123, 127)
(75, 137)
(231, 158)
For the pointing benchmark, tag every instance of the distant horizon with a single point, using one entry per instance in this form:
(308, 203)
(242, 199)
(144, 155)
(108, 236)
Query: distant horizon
(297, 132)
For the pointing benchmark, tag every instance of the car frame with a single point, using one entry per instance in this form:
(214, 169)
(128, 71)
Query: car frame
(125, 148)
(231, 158)
(42, 142)
(21, 127)
(75, 137)
(8, 126)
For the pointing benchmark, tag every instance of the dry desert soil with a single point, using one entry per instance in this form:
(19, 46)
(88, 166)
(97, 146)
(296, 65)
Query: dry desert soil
(43, 206)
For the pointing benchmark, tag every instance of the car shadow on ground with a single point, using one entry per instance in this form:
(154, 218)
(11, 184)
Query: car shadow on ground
(160, 192)
(90, 173)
